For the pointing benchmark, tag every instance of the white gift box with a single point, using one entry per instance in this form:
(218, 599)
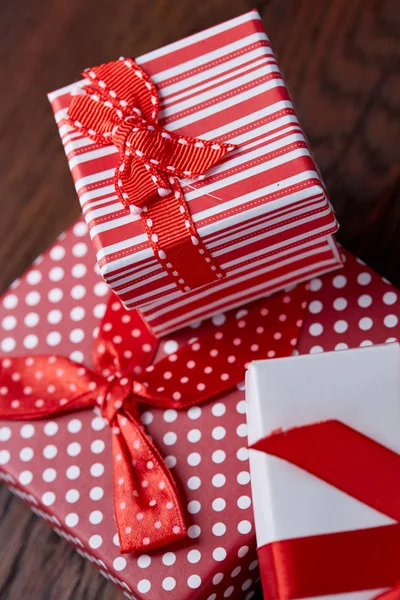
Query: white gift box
(360, 388)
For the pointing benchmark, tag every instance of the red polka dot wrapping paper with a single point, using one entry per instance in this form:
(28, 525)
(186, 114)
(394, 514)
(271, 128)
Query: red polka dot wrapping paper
(62, 467)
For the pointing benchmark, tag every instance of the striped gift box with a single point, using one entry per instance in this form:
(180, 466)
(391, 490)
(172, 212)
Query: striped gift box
(262, 211)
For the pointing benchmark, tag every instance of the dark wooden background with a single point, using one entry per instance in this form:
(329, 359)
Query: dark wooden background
(341, 62)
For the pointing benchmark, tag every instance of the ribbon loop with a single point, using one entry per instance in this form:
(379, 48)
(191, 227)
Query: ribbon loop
(120, 106)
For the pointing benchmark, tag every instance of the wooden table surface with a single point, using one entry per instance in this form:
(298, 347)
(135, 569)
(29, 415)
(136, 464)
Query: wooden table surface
(340, 59)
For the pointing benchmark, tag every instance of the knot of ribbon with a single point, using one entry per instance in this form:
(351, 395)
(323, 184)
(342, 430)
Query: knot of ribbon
(120, 106)
(344, 562)
(147, 506)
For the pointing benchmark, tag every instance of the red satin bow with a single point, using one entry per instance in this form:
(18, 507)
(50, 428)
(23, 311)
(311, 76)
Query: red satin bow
(146, 502)
(351, 561)
(121, 106)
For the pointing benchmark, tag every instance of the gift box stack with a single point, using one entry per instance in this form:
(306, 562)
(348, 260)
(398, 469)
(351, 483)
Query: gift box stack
(123, 413)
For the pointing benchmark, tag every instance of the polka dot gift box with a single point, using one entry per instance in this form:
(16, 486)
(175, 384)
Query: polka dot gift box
(194, 176)
(62, 466)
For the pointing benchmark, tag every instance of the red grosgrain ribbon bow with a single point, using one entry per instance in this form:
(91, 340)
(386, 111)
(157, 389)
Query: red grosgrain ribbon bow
(120, 106)
(350, 561)
(147, 507)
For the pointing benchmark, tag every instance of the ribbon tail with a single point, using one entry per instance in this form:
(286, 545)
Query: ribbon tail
(146, 501)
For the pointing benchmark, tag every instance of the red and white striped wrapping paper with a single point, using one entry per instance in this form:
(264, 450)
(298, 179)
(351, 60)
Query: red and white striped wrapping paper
(262, 211)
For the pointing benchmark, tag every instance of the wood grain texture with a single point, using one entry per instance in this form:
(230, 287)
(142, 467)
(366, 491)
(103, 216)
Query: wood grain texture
(341, 63)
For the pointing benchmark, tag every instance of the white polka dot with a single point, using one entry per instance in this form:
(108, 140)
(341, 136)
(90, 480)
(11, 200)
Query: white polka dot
(194, 459)
(77, 336)
(243, 477)
(25, 478)
(229, 591)
(218, 433)
(77, 356)
(5, 457)
(170, 438)
(74, 449)
(26, 454)
(194, 531)
(10, 301)
(194, 412)
(95, 541)
(364, 301)
(219, 554)
(48, 498)
(241, 407)
(72, 520)
(341, 346)
(56, 274)
(170, 347)
(9, 323)
(96, 517)
(364, 278)
(194, 556)
(365, 323)
(242, 454)
(242, 430)
(79, 250)
(27, 431)
(53, 338)
(32, 298)
(101, 289)
(97, 470)
(315, 307)
(218, 409)
(50, 428)
(218, 504)
(316, 350)
(57, 253)
(243, 550)
(74, 426)
(143, 586)
(194, 435)
(55, 295)
(50, 451)
(99, 310)
(96, 493)
(194, 482)
(218, 480)
(339, 281)
(340, 303)
(98, 424)
(33, 277)
(79, 270)
(316, 329)
(5, 434)
(244, 502)
(72, 496)
(218, 456)
(170, 461)
(54, 316)
(219, 529)
(168, 584)
(390, 298)
(247, 584)
(315, 285)
(169, 559)
(194, 582)
(97, 446)
(7, 344)
(31, 319)
(236, 571)
(218, 577)
(144, 561)
(244, 527)
(170, 415)
(49, 475)
(390, 321)
(340, 326)
(194, 507)
(119, 563)
(78, 292)
(147, 417)
(77, 313)
(73, 472)
(219, 319)
(80, 229)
